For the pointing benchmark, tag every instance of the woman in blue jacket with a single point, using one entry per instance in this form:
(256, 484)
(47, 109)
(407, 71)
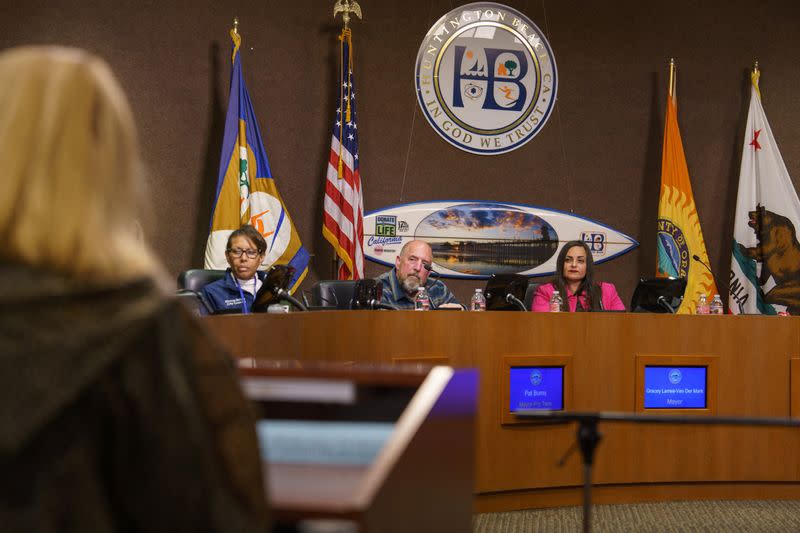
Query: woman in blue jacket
(235, 292)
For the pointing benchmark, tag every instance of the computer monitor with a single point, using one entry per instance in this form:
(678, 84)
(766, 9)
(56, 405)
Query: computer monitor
(274, 288)
(366, 294)
(499, 286)
(658, 295)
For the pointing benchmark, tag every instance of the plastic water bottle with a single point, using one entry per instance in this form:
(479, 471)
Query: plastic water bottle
(702, 305)
(478, 301)
(555, 302)
(716, 305)
(422, 302)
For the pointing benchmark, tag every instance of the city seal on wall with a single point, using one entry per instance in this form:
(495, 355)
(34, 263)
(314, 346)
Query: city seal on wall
(486, 78)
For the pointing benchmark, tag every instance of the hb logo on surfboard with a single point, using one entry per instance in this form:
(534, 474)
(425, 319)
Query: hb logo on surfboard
(486, 78)
(595, 241)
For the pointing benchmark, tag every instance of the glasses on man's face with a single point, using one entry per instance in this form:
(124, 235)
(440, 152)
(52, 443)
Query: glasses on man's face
(237, 252)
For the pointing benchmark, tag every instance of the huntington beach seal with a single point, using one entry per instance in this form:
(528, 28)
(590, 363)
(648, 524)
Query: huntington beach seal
(486, 78)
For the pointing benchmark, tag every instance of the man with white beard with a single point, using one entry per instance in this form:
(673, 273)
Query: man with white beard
(411, 270)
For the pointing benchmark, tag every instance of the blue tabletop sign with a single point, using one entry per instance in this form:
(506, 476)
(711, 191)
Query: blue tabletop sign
(675, 387)
(536, 388)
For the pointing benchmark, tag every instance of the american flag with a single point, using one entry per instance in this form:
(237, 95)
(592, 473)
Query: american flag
(343, 219)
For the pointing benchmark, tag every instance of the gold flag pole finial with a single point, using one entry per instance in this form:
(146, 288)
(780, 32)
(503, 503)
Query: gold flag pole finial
(671, 77)
(237, 39)
(754, 76)
(346, 7)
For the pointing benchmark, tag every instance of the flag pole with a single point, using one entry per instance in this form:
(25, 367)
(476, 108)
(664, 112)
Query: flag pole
(236, 25)
(346, 8)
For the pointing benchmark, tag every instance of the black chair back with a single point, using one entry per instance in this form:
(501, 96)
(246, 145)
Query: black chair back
(192, 301)
(333, 293)
(197, 278)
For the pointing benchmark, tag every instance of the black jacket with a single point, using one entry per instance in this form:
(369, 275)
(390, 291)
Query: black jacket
(118, 413)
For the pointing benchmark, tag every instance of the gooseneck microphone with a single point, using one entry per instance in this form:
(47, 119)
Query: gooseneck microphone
(432, 272)
(510, 298)
(663, 303)
(716, 280)
(280, 292)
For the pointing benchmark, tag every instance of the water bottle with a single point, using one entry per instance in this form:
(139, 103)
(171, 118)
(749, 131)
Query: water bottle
(702, 305)
(555, 302)
(422, 302)
(478, 301)
(716, 305)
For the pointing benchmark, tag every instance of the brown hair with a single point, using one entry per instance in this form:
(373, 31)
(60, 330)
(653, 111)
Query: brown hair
(587, 285)
(251, 234)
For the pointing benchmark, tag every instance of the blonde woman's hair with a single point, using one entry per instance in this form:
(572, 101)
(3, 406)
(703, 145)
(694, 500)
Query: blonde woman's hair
(71, 178)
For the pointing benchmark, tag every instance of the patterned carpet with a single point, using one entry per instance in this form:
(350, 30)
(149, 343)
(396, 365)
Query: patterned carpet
(689, 516)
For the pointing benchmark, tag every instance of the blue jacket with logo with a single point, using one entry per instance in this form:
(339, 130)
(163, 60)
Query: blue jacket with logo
(223, 295)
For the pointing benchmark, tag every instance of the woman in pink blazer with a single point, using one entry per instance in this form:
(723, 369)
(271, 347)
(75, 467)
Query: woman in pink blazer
(575, 283)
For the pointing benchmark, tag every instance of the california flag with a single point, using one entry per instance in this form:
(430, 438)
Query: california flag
(765, 266)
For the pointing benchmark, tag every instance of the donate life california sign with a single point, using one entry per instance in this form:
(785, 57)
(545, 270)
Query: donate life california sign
(486, 78)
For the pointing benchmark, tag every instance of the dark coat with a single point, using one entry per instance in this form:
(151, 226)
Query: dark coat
(118, 413)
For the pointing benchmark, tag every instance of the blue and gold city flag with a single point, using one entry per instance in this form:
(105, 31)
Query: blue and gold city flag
(246, 192)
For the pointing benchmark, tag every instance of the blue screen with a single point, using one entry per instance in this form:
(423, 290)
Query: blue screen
(675, 387)
(536, 388)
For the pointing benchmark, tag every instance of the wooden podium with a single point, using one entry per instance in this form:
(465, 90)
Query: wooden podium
(753, 373)
(419, 479)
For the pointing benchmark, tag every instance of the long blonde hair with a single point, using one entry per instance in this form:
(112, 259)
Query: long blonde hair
(71, 179)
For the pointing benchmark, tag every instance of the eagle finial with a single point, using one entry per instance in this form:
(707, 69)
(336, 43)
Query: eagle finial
(345, 7)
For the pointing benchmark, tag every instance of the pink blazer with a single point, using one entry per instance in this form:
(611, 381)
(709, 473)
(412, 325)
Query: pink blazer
(609, 296)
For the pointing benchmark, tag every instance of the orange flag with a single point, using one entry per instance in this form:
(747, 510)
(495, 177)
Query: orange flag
(680, 238)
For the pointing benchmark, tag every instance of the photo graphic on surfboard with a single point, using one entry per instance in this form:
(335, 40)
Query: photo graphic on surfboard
(475, 239)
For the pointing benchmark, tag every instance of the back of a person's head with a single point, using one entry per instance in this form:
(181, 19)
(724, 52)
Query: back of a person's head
(71, 179)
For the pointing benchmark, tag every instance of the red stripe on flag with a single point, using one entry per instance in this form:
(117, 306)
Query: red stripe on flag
(344, 241)
(337, 198)
(347, 172)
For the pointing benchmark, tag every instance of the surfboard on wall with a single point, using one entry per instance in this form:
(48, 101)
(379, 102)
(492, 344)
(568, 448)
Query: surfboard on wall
(475, 239)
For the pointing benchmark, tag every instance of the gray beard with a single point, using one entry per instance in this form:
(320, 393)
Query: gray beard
(411, 284)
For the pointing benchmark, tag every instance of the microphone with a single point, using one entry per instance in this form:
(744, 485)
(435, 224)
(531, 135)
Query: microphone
(663, 303)
(510, 298)
(716, 280)
(284, 294)
(335, 299)
(431, 272)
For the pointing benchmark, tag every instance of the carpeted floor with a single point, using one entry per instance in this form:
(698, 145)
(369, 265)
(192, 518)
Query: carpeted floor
(689, 516)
